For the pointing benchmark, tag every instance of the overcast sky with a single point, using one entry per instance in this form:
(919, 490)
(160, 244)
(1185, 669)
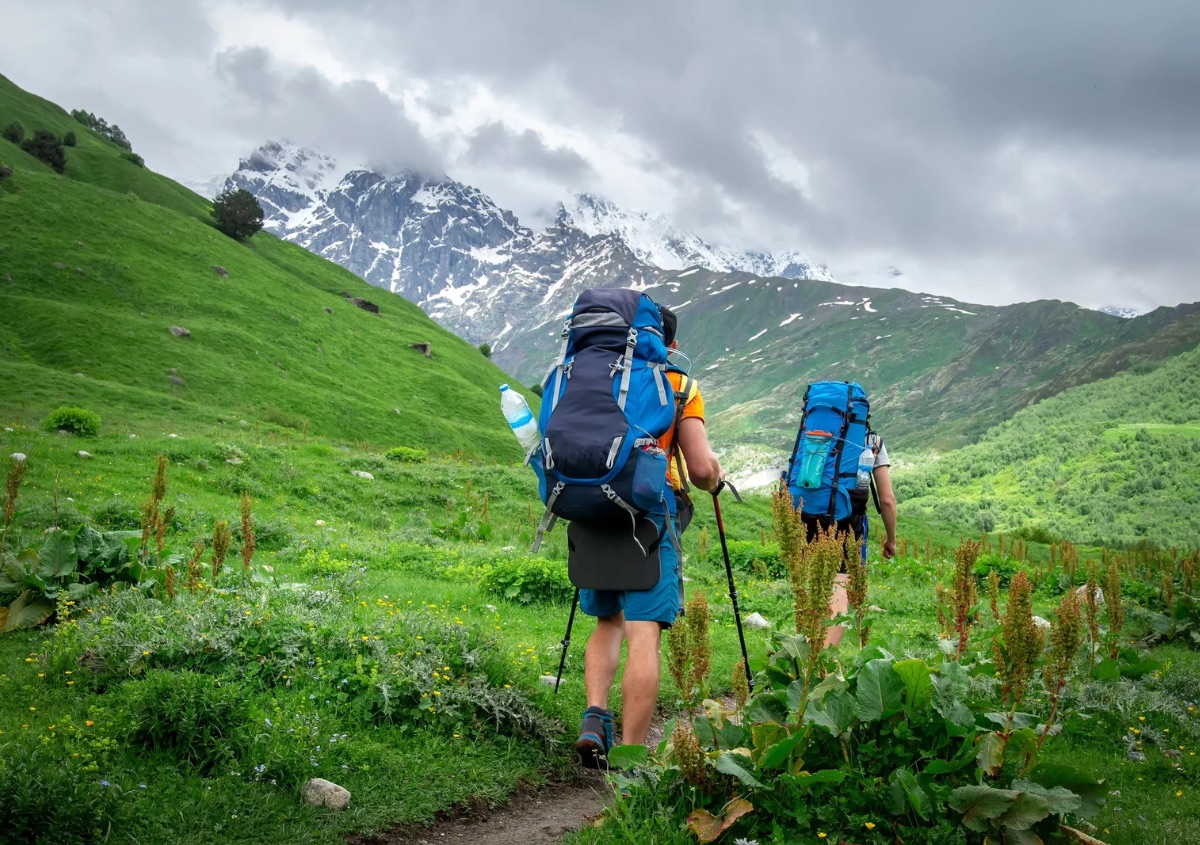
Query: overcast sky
(994, 152)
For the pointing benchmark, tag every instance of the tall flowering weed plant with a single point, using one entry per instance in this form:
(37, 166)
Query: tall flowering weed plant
(872, 747)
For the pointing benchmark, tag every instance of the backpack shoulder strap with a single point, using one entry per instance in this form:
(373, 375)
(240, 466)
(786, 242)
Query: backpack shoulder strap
(686, 392)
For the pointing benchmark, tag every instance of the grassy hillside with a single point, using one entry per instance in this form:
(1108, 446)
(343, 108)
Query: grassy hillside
(1111, 462)
(91, 281)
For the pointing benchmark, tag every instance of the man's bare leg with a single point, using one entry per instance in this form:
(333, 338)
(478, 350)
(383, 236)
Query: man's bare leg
(839, 603)
(602, 657)
(639, 683)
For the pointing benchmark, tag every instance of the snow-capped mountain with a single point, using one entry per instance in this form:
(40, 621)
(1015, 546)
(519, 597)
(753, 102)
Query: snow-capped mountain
(1120, 311)
(465, 261)
(655, 240)
(438, 243)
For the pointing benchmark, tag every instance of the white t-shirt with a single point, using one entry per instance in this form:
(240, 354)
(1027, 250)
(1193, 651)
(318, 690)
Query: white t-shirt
(881, 457)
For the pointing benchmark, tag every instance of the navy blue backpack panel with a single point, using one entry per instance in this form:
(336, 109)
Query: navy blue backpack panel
(822, 472)
(605, 404)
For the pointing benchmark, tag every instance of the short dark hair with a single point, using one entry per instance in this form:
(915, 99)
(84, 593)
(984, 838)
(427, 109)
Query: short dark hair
(670, 324)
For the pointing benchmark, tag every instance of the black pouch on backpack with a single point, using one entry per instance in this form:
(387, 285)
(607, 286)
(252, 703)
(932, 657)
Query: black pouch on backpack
(611, 559)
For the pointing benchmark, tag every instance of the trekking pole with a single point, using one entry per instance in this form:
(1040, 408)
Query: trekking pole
(737, 616)
(566, 641)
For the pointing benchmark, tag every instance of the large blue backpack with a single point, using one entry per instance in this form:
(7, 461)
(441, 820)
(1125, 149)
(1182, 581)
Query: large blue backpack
(822, 472)
(605, 404)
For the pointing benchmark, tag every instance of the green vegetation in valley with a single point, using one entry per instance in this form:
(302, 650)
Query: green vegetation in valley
(1107, 463)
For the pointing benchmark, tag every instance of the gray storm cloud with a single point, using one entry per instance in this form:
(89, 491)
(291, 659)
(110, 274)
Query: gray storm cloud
(991, 152)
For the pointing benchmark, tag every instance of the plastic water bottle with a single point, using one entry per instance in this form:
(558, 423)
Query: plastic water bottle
(520, 418)
(866, 465)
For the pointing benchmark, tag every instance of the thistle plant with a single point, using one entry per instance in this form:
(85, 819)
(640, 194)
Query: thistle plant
(994, 594)
(12, 489)
(1020, 643)
(247, 534)
(789, 527)
(1066, 635)
(1113, 603)
(221, 538)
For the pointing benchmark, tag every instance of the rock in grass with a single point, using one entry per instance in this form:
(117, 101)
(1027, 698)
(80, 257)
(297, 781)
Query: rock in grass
(1135, 756)
(757, 620)
(83, 454)
(1044, 624)
(179, 331)
(18, 456)
(323, 793)
(548, 680)
(358, 473)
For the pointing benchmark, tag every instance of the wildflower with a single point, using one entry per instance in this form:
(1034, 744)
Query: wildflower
(141, 786)
(145, 653)
(1179, 794)
(822, 835)
(104, 783)
(89, 722)
(869, 825)
(32, 709)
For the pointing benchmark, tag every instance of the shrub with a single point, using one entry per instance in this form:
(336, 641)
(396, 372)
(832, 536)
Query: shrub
(752, 556)
(406, 454)
(135, 158)
(14, 132)
(237, 213)
(536, 390)
(527, 580)
(70, 140)
(46, 147)
(101, 127)
(486, 349)
(194, 715)
(75, 420)
(44, 798)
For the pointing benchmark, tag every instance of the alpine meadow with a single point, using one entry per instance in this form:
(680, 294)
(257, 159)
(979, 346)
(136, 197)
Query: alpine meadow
(265, 523)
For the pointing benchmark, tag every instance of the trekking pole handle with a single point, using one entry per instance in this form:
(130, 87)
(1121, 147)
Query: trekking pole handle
(725, 482)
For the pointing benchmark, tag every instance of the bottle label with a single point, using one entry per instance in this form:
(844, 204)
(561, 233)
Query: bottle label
(525, 418)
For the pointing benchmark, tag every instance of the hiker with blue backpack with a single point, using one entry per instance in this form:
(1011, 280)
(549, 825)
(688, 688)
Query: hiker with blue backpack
(622, 434)
(837, 463)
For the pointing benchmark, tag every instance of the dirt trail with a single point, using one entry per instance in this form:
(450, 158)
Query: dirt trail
(530, 818)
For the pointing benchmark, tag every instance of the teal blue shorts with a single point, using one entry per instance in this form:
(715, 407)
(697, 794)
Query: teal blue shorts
(661, 603)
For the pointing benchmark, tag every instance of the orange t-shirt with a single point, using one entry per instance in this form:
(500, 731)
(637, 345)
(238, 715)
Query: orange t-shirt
(693, 408)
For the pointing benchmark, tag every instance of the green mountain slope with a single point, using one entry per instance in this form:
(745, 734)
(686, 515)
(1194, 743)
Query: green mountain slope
(91, 281)
(1110, 462)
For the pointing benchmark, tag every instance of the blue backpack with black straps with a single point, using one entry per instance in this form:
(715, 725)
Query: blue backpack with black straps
(822, 472)
(605, 404)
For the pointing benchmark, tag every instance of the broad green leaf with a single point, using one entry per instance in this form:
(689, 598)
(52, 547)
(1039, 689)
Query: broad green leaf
(991, 752)
(87, 539)
(767, 707)
(966, 752)
(705, 732)
(1026, 810)
(1092, 793)
(765, 735)
(1058, 800)
(880, 690)
(1106, 670)
(1021, 745)
(796, 696)
(806, 779)
(627, 756)
(777, 755)
(950, 686)
(78, 592)
(730, 736)
(1139, 666)
(56, 559)
(836, 713)
(1020, 837)
(739, 766)
(980, 804)
(918, 688)
(906, 794)
(28, 611)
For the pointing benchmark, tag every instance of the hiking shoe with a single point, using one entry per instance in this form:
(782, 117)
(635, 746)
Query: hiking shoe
(595, 738)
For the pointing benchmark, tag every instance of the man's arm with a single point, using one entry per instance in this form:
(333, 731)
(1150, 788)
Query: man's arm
(887, 509)
(703, 468)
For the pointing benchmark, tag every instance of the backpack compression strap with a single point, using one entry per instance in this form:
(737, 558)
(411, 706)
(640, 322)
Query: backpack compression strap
(841, 456)
(787, 472)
